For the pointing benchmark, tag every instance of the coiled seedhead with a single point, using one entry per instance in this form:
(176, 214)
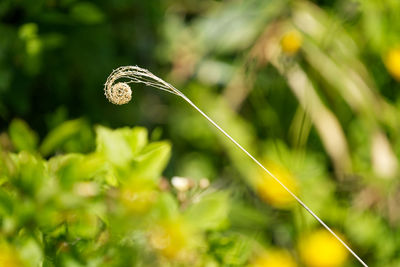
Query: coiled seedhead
(120, 93)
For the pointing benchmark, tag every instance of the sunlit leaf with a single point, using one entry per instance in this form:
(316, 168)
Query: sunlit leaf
(22, 137)
(87, 13)
(152, 160)
(120, 146)
(209, 212)
(73, 136)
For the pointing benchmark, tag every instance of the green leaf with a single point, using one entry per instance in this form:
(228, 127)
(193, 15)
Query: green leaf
(87, 13)
(209, 212)
(31, 253)
(67, 169)
(247, 217)
(167, 207)
(72, 136)
(28, 31)
(120, 146)
(22, 137)
(7, 167)
(30, 173)
(136, 138)
(235, 26)
(152, 160)
(83, 225)
(230, 248)
(6, 203)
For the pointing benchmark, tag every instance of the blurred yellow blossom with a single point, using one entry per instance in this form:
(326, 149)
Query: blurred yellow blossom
(138, 196)
(392, 62)
(321, 249)
(271, 191)
(291, 42)
(172, 239)
(274, 258)
(9, 256)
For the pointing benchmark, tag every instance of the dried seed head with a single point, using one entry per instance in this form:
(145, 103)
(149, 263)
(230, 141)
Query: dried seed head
(119, 93)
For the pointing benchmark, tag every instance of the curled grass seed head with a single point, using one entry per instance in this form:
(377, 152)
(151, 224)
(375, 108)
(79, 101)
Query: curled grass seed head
(120, 93)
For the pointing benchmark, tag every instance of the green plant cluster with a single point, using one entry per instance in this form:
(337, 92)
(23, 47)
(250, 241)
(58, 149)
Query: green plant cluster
(108, 207)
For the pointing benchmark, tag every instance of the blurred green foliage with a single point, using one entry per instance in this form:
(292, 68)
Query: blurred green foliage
(104, 208)
(311, 88)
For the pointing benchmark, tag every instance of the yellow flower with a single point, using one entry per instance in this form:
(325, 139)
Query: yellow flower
(171, 238)
(321, 249)
(392, 62)
(138, 196)
(274, 258)
(9, 256)
(271, 191)
(291, 42)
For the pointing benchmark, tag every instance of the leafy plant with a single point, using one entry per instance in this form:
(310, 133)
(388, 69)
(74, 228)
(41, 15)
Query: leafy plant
(102, 208)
